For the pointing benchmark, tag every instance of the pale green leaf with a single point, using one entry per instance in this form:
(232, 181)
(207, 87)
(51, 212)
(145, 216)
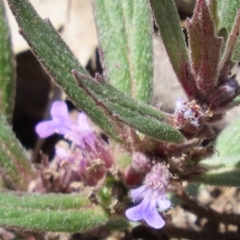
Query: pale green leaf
(125, 38)
(140, 116)
(221, 171)
(7, 67)
(56, 213)
(168, 23)
(58, 60)
(15, 164)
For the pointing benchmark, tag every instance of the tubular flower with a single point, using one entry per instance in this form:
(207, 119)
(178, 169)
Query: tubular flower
(88, 154)
(80, 134)
(152, 196)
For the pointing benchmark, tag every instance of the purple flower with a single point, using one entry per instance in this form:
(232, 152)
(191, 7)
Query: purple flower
(81, 134)
(152, 197)
(89, 155)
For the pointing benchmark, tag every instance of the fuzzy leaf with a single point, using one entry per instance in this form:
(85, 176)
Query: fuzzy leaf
(58, 60)
(230, 47)
(168, 23)
(118, 223)
(213, 8)
(221, 171)
(225, 169)
(138, 115)
(125, 37)
(7, 67)
(65, 213)
(15, 165)
(228, 141)
(205, 47)
(227, 13)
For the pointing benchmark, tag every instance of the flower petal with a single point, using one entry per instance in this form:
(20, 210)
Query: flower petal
(45, 128)
(83, 124)
(139, 193)
(152, 217)
(136, 213)
(163, 203)
(59, 111)
(147, 211)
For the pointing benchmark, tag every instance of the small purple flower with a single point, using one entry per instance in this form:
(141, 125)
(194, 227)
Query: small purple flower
(89, 155)
(152, 197)
(81, 134)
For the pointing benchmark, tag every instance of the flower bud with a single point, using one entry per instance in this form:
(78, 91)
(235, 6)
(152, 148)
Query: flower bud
(132, 177)
(188, 117)
(140, 162)
(223, 94)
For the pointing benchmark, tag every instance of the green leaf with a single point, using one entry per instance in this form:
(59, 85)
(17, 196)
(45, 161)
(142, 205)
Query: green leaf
(15, 164)
(125, 37)
(213, 8)
(65, 213)
(228, 141)
(227, 13)
(225, 169)
(118, 223)
(168, 23)
(7, 68)
(231, 48)
(58, 60)
(221, 171)
(138, 115)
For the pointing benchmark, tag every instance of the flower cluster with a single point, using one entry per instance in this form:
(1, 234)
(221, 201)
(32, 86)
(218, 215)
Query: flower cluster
(87, 159)
(152, 196)
(88, 155)
(189, 116)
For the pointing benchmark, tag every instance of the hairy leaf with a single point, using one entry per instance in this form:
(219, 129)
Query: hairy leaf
(125, 37)
(15, 165)
(66, 213)
(7, 67)
(227, 13)
(228, 141)
(205, 47)
(168, 23)
(137, 115)
(118, 223)
(230, 47)
(221, 171)
(58, 60)
(213, 8)
(225, 169)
